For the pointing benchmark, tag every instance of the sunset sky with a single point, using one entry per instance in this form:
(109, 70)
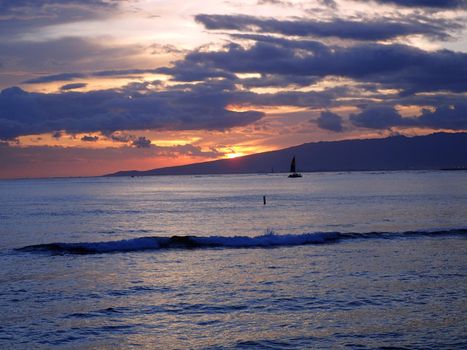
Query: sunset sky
(90, 87)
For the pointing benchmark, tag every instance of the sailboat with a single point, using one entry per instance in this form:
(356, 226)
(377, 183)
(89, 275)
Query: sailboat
(292, 169)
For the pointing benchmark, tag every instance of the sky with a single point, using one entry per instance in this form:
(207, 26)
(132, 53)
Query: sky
(90, 87)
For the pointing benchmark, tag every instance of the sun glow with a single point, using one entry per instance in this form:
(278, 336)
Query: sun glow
(234, 155)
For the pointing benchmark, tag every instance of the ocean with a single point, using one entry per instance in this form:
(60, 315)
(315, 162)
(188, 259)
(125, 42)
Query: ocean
(353, 260)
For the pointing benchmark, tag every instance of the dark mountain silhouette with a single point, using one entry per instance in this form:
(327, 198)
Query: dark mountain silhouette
(435, 151)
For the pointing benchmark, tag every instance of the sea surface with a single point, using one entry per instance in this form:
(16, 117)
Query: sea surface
(360, 260)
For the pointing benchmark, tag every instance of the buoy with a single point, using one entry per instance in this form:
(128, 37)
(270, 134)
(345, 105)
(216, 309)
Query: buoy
(264, 200)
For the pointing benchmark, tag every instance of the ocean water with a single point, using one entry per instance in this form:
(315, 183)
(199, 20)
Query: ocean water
(361, 260)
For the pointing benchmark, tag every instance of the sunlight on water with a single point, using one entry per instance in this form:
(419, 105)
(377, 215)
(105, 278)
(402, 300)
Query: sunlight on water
(363, 289)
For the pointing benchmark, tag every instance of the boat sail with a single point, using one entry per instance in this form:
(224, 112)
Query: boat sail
(293, 171)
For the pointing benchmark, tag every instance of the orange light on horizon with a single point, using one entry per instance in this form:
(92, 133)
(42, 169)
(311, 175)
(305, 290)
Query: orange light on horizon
(234, 155)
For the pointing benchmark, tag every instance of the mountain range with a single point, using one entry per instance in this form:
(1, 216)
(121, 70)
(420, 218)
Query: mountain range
(435, 151)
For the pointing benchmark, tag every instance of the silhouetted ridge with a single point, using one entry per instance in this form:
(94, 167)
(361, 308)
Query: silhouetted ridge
(435, 151)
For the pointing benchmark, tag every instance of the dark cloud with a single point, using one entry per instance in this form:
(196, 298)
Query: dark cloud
(89, 138)
(279, 62)
(453, 117)
(378, 117)
(270, 80)
(141, 142)
(328, 3)
(17, 6)
(312, 99)
(194, 72)
(392, 66)
(202, 108)
(73, 86)
(441, 4)
(274, 2)
(104, 73)
(68, 56)
(55, 77)
(330, 121)
(121, 137)
(19, 17)
(157, 49)
(57, 134)
(377, 29)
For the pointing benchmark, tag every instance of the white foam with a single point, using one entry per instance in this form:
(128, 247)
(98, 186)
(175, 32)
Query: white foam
(190, 242)
(267, 240)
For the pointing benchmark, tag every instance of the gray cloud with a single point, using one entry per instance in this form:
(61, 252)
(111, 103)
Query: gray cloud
(280, 61)
(55, 77)
(73, 86)
(89, 138)
(27, 6)
(392, 66)
(18, 17)
(141, 142)
(330, 121)
(104, 73)
(270, 80)
(188, 150)
(23, 113)
(440, 4)
(121, 137)
(374, 29)
(379, 117)
(453, 117)
(65, 58)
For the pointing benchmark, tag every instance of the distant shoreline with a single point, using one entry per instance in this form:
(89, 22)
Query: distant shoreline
(230, 174)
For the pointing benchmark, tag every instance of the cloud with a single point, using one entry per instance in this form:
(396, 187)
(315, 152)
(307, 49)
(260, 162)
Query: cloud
(378, 117)
(187, 150)
(392, 66)
(19, 6)
(89, 138)
(330, 121)
(440, 4)
(194, 72)
(55, 77)
(273, 2)
(121, 137)
(141, 142)
(270, 80)
(167, 151)
(315, 99)
(201, 108)
(43, 12)
(210, 84)
(104, 73)
(366, 29)
(73, 86)
(71, 54)
(453, 117)
(19, 17)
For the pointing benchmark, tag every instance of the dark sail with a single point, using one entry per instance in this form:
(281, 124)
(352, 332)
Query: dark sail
(292, 165)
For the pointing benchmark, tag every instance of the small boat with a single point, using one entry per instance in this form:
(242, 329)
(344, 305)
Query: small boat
(292, 169)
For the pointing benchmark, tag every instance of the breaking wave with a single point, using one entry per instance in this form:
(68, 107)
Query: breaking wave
(193, 242)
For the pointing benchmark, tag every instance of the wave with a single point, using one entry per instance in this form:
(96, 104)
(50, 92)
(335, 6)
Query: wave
(194, 242)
